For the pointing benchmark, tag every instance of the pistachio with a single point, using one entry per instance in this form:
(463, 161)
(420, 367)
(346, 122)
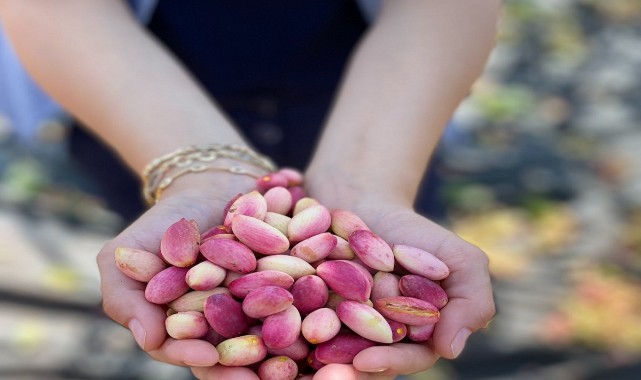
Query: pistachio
(418, 261)
(309, 222)
(186, 325)
(167, 285)
(372, 250)
(179, 243)
(229, 254)
(344, 222)
(320, 325)
(282, 329)
(364, 321)
(205, 276)
(279, 200)
(346, 279)
(241, 351)
(252, 204)
(259, 236)
(266, 300)
(408, 310)
(291, 265)
(138, 264)
(241, 286)
(314, 248)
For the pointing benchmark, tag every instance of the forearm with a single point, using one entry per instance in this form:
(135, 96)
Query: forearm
(94, 59)
(411, 71)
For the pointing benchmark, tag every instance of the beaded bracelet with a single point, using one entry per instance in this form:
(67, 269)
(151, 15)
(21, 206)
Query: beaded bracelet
(162, 171)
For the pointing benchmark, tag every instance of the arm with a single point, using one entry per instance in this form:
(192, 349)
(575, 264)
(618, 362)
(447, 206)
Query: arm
(93, 58)
(103, 67)
(411, 71)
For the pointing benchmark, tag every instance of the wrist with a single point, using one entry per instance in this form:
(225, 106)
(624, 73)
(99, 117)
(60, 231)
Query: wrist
(339, 187)
(217, 186)
(232, 159)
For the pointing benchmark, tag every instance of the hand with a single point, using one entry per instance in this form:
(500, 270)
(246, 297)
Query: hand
(468, 286)
(200, 197)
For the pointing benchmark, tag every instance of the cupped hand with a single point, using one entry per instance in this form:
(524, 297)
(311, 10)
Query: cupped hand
(201, 199)
(470, 306)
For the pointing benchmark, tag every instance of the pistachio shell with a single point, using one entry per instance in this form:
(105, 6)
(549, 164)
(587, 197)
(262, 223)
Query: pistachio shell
(282, 329)
(304, 203)
(372, 250)
(231, 276)
(310, 293)
(186, 325)
(344, 222)
(420, 333)
(266, 300)
(364, 321)
(259, 236)
(280, 222)
(279, 200)
(241, 351)
(399, 330)
(195, 300)
(293, 266)
(167, 285)
(229, 254)
(205, 276)
(313, 362)
(418, 261)
(297, 193)
(215, 230)
(385, 285)
(221, 236)
(179, 243)
(314, 248)
(411, 311)
(346, 279)
(138, 264)
(294, 176)
(241, 286)
(278, 368)
(297, 350)
(225, 315)
(252, 204)
(320, 325)
(271, 180)
(342, 251)
(342, 348)
(309, 222)
(422, 288)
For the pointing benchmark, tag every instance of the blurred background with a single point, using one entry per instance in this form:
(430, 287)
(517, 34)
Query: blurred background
(541, 168)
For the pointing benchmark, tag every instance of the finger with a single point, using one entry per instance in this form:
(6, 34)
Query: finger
(186, 352)
(220, 372)
(399, 358)
(124, 301)
(339, 371)
(471, 304)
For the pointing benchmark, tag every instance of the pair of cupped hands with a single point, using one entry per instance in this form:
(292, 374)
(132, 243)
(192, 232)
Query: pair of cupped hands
(202, 197)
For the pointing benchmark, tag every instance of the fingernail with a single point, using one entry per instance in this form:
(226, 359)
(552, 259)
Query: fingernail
(202, 358)
(190, 364)
(459, 341)
(138, 331)
(374, 369)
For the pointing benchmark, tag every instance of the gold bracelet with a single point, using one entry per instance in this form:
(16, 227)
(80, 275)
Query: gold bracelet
(162, 171)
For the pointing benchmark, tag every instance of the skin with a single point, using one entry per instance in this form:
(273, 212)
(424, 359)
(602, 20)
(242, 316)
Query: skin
(407, 76)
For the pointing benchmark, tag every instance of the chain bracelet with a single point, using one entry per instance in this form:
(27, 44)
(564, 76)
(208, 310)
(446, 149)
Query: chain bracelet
(162, 171)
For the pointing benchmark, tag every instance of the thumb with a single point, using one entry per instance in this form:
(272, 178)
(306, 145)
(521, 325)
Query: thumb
(123, 300)
(471, 305)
